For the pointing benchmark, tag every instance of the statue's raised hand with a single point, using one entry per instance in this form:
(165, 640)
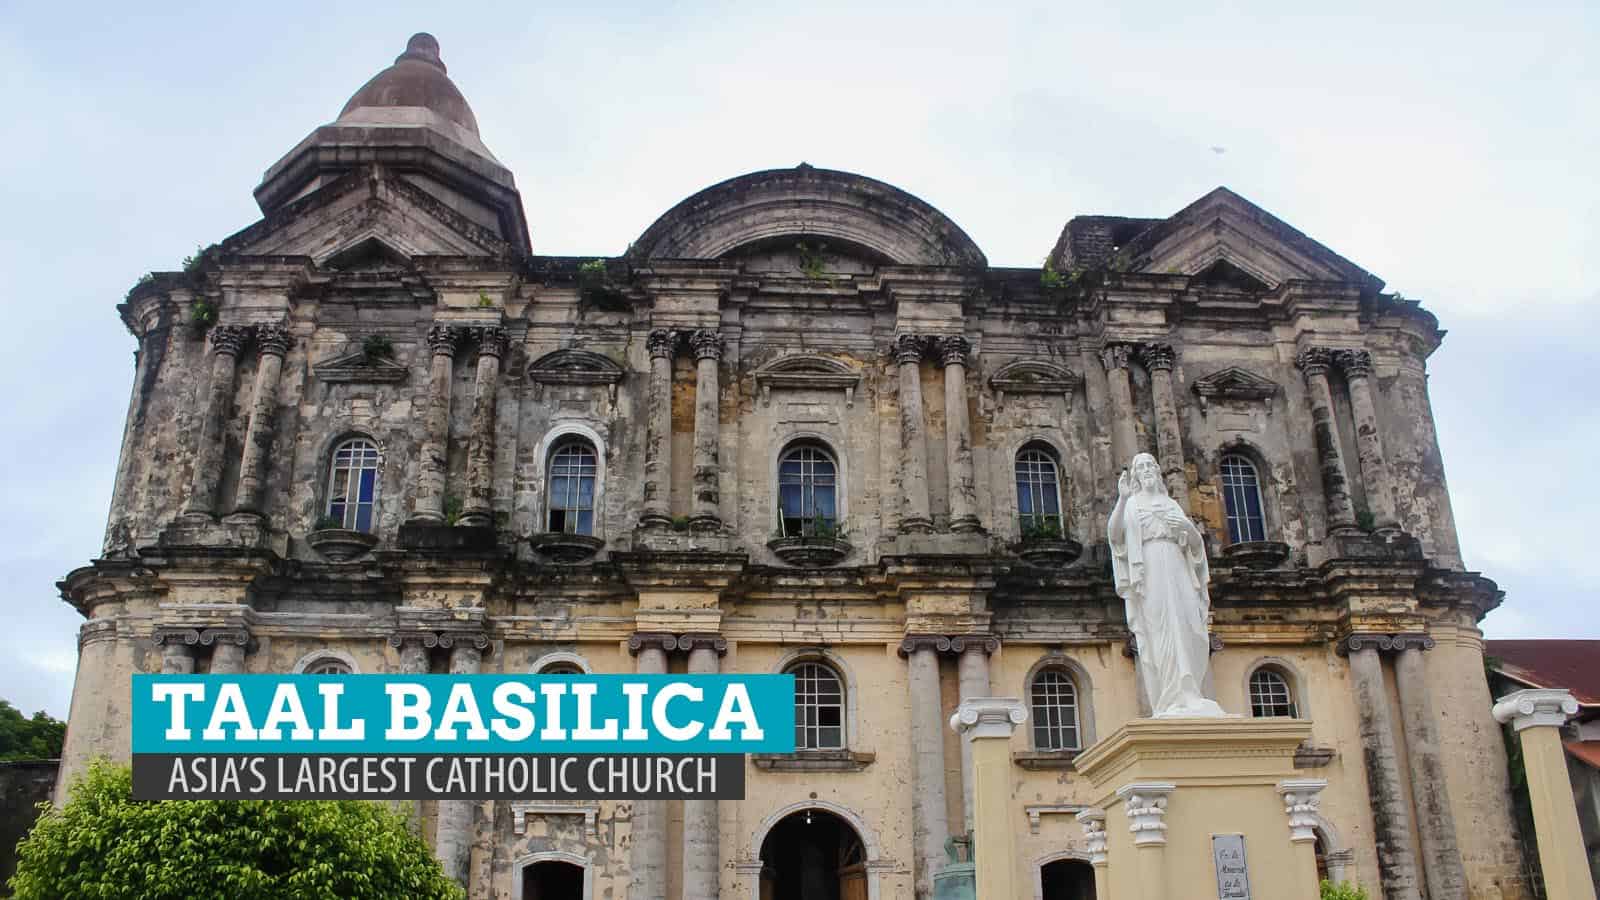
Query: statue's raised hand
(1124, 485)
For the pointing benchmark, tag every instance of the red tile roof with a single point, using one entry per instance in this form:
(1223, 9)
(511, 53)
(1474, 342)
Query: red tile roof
(1574, 665)
(1587, 751)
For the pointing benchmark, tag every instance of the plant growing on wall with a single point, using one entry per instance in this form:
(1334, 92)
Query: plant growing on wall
(811, 259)
(484, 300)
(452, 510)
(377, 347)
(1344, 890)
(202, 316)
(1037, 530)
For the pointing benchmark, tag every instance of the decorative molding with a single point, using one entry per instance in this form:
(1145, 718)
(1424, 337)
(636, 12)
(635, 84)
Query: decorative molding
(1535, 707)
(578, 367)
(688, 642)
(1042, 760)
(1094, 834)
(1116, 356)
(443, 639)
(807, 372)
(988, 717)
(359, 368)
(492, 340)
(662, 343)
(1301, 800)
(640, 640)
(907, 348)
(706, 343)
(1314, 361)
(952, 350)
(274, 340)
(1036, 811)
(1307, 756)
(522, 809)
(959, 643)
(229, 339)
(1384, 643)
(1234, 383)
(914, 642)
(443, 340)
(1157, 357)
(813, 761)
(1354, 363)
(1145, 804)
(1033, 376)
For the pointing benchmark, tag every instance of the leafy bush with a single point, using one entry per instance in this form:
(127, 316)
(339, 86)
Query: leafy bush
(376, 347)
(104, 843)
(23, 738)
(1344, 890)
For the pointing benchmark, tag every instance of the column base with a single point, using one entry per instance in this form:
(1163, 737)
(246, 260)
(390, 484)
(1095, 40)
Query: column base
(706, 523)
(655, 520)
(917, 525)
(477, 518)
(966, 525)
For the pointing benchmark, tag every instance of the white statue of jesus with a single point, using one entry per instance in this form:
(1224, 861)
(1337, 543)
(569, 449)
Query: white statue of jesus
(1159, 562)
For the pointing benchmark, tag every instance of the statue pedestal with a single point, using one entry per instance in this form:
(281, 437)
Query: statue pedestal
(1201, 808)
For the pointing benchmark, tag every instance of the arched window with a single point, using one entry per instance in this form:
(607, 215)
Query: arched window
(353, 484)
(1270, 694)
(327, 665)
(807, 492)
(1241, 495)
(818, 707)
(561, 668)
(1054, 697)
(573, 465)
(1038, 494)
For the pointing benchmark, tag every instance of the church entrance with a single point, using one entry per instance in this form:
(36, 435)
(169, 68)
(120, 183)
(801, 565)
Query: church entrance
(552, 880)
(1067, 879)
(813, 855)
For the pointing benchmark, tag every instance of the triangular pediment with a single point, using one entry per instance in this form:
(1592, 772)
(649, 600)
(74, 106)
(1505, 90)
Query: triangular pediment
(1034, 376)
(1233, 383)
(359, 367)
(572, 366)
(1226, 242)
(355, 222)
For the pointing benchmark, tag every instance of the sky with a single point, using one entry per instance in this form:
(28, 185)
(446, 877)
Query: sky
(1449, 148)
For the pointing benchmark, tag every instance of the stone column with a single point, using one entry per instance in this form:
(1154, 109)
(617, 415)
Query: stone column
(1390, 817)
(648, 879)
(1301, 799)
(453, 840)
(962, 483)
(1436, 825)
(230, 646)
(702, 862)
(478, 508)
(226, 342)
(177, 650)
(987, 723)
(272, 344)
(704, 510)
(1537, 716)
(657, 509)
(1313, 363)
(433, 458)
(1124, 439)
(972, 670)
(1094, 841)
(1145, 805)
(1159, 359)
(930, 829)
(1357, 368)
(915, 517)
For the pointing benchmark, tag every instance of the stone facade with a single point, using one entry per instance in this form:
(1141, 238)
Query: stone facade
(390, 296)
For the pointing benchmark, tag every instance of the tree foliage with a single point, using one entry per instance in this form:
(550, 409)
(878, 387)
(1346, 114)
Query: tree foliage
(22, 738)
(1344, 890)
(105, 844)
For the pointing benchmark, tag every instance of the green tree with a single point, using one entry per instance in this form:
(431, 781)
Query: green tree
(105, 844)
(1344, 890)
(22, 738)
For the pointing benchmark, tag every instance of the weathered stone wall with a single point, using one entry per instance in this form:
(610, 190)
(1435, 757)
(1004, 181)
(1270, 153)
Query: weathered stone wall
(23, 786)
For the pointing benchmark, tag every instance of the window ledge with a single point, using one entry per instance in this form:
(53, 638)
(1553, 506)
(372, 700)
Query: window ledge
(341, 544)
(813, 761)
(1035, 760)
(561, 548)
(1313, 757)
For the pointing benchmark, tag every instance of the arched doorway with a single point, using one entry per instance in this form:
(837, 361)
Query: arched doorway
(813, 854)
(552, 880)
(1066, 879)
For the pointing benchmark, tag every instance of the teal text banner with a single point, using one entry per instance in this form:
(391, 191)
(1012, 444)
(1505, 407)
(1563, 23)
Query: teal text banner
(528, 714)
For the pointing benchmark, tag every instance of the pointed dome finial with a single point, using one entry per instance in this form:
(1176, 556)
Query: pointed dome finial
(424, 48)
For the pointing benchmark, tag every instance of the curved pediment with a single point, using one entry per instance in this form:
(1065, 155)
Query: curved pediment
(1034, 376)
(806, 202)
(1233, 383)
(807, 371)
(575, 367)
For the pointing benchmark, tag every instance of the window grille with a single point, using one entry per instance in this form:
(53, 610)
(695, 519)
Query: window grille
(1241, 496)
(353, 484)
(1038, 494)
(818, 707)
(573, 469)
(807, 493)
(1270, 695)
(1055, 711)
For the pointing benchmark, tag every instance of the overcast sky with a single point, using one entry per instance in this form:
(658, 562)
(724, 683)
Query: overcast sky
(1449, 148)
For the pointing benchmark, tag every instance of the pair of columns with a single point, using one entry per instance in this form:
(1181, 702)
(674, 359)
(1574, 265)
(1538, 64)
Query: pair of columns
(1158, 359)
(1435, 822)
(705, 502)
(701, 847)
(1537, 716)
(930, 828)
(1356, 365)
(452, 844)
(272, 343)
(950, 353)
(444, 342)
(180, 649)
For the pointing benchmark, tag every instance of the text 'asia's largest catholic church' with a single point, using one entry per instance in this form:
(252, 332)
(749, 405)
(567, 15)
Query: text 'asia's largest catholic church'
(801, 426)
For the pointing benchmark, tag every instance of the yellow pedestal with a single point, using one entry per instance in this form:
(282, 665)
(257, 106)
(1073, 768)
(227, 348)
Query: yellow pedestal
(1169, 787)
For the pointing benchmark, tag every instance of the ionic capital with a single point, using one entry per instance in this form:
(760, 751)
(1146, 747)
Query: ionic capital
(444, 339)
(988, 717)
(707, 344)
(427, 640)
(273, 340)
(642, 640)
(171, 634)
(1145, 805)
(1384, 643)
(492, 340)
(691, 642)
(1301, 799)
(961, 643)
(1094, 834)
(907, 349)
(1354, 363)
(1116, 356)
(1314, 361)
(477, 640)
(229, 339)
(1157, 357)
(662, 343)
(1535, 707)
(938, 643)
(953, 350)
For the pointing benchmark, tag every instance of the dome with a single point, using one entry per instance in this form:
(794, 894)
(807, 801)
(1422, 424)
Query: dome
(415, 91)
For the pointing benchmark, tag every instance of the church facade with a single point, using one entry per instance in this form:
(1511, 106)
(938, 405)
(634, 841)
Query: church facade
(802, 426)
